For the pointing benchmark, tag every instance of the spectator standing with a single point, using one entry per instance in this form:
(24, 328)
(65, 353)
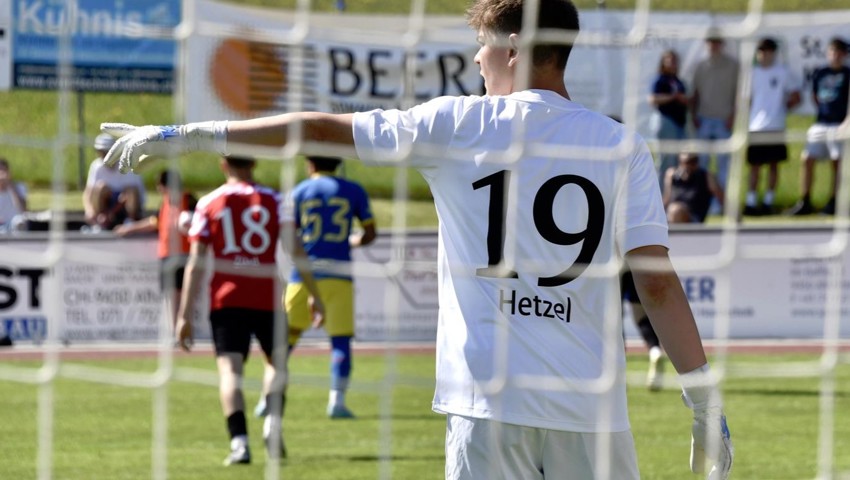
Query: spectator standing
(522, 329)
(830, 86)
(670, 98)
(715, 87)
(172, 227)
(13, 200)
(774, 91)
(689, 190)
(110, 198)
(240, 223)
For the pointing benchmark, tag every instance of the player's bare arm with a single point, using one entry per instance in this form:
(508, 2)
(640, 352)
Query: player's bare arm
(665, 302)
(278, 130)
(192, 283)
(365, 237)
(293, 245)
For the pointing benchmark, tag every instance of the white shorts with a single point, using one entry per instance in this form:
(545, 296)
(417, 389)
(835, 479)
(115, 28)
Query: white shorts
(485, 449)
(822, 142)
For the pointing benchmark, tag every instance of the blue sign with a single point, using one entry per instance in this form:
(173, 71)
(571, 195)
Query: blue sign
(25, 328)
(114, 45)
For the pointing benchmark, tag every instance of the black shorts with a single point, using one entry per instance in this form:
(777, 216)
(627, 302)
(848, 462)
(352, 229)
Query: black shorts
(767, 153)
(172, 269)
(627, 287)
(232, 329)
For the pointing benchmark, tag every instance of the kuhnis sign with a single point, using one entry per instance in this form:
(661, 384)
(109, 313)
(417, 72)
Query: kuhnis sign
(107, 45)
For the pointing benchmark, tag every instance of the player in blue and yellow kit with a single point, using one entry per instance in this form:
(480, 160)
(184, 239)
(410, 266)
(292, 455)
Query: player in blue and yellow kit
(325, 208)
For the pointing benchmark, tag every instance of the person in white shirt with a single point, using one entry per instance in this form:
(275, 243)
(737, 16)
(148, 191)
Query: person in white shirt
(13, 200)
(540, 200)
(774, 92)
(110, 197)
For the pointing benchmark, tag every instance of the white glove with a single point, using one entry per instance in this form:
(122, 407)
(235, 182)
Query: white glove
(711, 443)
(137, 144)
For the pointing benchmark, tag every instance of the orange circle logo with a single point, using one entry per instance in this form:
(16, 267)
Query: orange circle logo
(248, 76)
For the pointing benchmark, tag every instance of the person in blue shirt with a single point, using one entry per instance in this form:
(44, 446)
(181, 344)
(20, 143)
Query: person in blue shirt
(670, 98)
(830, 90)
(326, 207)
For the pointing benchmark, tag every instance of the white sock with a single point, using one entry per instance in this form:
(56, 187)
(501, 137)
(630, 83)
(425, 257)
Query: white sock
(271, 424)
(336, 397)
(655, 352)
(238, 441)
(768, 197)
(752, 198)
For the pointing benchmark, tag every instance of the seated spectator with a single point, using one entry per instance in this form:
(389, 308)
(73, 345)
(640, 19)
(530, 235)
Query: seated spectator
(689, 190)
(110, 197)
(13, 200)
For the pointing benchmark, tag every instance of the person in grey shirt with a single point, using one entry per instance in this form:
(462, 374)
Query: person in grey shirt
(715, 85)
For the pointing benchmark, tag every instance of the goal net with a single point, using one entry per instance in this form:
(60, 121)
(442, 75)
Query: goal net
(73, 300)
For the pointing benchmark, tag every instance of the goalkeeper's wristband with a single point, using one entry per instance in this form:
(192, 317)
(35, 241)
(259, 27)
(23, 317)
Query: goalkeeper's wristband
(698, 389)
(206, 136)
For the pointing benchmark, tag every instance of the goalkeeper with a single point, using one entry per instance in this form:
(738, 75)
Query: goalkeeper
(524, 234)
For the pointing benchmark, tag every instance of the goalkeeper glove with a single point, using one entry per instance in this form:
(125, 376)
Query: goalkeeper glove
(711, 443)
(137, 144)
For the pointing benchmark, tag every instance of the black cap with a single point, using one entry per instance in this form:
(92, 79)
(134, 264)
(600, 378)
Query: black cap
(767, 44)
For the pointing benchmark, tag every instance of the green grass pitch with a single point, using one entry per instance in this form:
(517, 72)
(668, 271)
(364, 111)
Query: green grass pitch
(104, 431)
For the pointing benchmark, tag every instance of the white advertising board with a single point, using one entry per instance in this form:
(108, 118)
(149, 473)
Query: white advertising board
(107, 289)
(343, 66)
(767, 297)
(101, 289)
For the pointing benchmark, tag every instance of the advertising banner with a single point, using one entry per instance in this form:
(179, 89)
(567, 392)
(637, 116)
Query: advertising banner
(245, 62)
(107, 289)
(102, 290)
(109, 45)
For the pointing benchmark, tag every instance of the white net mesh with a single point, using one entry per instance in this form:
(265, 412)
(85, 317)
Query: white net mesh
(238, 62)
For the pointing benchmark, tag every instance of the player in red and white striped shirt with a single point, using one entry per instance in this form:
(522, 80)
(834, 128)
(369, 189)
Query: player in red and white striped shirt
(240, 223)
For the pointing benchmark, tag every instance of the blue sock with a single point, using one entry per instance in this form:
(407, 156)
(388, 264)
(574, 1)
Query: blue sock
(340, 362)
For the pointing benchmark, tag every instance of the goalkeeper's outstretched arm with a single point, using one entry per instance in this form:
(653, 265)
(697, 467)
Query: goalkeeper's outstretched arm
(279, 130)
(307, 132)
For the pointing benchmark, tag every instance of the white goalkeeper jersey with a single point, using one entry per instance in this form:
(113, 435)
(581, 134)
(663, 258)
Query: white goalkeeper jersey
(529, 188)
